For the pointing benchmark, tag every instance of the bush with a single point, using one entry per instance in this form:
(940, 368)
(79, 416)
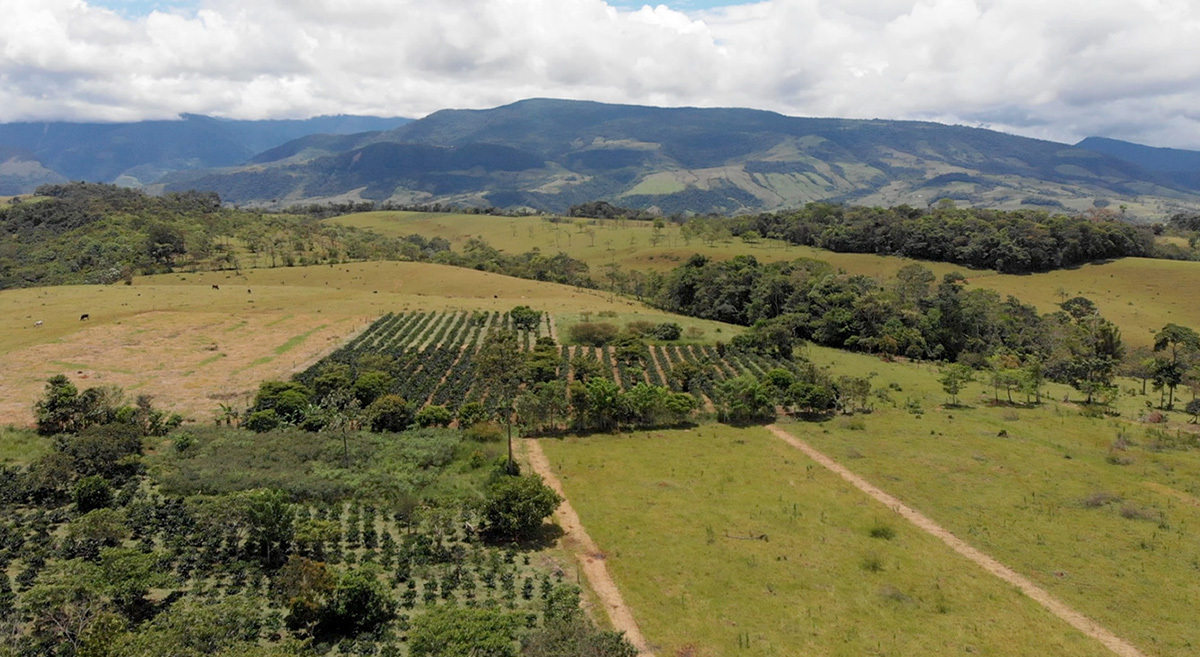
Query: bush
(91, 493)
(433, 416)
(667, 331)
(596, 334)
(263, 421)
(516, 506)
(390, 413)
(471, 414)
(370, 386)
(484, 432)
(451, 631)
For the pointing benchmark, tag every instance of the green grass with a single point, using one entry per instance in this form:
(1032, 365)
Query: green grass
(21, 446)
(710, 331)
(1110, 531)
(679, 514)
(294, 341)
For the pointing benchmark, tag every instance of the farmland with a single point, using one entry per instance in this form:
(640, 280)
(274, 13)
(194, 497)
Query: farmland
(159, 334)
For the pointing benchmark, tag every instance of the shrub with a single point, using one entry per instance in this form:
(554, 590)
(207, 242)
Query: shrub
(883, 531)
(370, 386)
(390, 413)
(263, 421)
(516, 506)
(668, 331)
(452, 631)
(484, 432)
(471, 414)
(93, 492)
(596, 334)
(433, 416)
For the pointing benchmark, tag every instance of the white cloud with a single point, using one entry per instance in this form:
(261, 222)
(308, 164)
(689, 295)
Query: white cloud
(1060, 69)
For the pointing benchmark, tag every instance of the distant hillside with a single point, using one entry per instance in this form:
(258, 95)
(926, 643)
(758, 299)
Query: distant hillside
(140, 153)
(1179, 165)
(551, 154)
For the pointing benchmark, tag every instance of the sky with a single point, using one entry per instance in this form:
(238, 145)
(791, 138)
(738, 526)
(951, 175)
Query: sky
(1054, 69)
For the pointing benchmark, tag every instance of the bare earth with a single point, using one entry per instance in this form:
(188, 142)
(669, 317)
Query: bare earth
(588, 554)
(1077, 620)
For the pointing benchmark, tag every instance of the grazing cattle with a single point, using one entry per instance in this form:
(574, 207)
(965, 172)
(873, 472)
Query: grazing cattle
(37, 324)
(84, 317)
(247, 290)
(216, 287)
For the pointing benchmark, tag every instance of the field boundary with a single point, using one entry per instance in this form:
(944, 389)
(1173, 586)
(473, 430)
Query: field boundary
(589, 556)
(1043, 597)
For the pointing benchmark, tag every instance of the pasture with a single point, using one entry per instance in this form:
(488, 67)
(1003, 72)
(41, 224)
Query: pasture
(599, 242)
(1102, 512)
(726, 541)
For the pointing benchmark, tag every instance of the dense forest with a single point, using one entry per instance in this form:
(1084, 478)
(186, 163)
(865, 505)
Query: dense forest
(1014, 242)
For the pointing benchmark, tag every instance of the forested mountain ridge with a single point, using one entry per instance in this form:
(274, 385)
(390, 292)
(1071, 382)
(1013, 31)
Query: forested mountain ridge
(551, 154)
(140, 153)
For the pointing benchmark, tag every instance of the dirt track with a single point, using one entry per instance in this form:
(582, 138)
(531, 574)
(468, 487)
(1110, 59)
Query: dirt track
(588, 554)
(1077, 620)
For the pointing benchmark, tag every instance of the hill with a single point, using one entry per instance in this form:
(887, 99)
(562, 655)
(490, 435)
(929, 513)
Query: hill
(551, 154)
(140, 153)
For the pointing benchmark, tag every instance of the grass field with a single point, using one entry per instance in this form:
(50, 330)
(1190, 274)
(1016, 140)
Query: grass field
(1138, 294)
(194, 347)
(21, 446)
(628, 244)
(1108, 526)
(676, 513)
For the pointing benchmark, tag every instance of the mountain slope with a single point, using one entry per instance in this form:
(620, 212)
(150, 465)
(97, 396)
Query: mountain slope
(550, 154)
(1179, 165)
(140, 153)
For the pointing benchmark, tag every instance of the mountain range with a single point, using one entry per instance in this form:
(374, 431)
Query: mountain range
(551, 154)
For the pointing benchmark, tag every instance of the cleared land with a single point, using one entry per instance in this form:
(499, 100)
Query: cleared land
(194, 347)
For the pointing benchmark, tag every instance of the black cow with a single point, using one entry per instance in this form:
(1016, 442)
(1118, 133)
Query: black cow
(84, 317)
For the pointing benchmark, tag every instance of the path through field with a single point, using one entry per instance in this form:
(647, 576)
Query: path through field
(589, 555)
(1043, 597)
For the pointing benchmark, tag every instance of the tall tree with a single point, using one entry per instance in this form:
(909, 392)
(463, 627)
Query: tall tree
(500, 365)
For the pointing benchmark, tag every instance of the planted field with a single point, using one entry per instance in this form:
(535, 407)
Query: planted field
(195, 347)
(431, 358)
(727, 541)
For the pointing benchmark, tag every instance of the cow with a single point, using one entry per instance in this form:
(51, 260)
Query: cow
(216, 287)
(38, 324)
(84, 317)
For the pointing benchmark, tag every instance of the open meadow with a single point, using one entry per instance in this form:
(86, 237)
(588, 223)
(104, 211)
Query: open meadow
(1101, 512)
(195, 347)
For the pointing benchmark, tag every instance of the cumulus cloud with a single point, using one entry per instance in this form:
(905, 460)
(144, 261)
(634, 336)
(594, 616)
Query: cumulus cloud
(1062, 69)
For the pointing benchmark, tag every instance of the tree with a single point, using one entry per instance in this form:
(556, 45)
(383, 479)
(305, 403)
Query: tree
(500, 365)
(360, 602)
(92, 492)
(270, 523)
(524, 318)
(1193, 409)
(743, 400)
(1180, 342)
(58, 409)
(515, 507)
(954, 378)
(389, 413)
(433, 416)
(566, 631)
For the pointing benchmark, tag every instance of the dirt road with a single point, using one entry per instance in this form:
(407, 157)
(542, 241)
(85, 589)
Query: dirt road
(588, 554)
(1077, 620)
